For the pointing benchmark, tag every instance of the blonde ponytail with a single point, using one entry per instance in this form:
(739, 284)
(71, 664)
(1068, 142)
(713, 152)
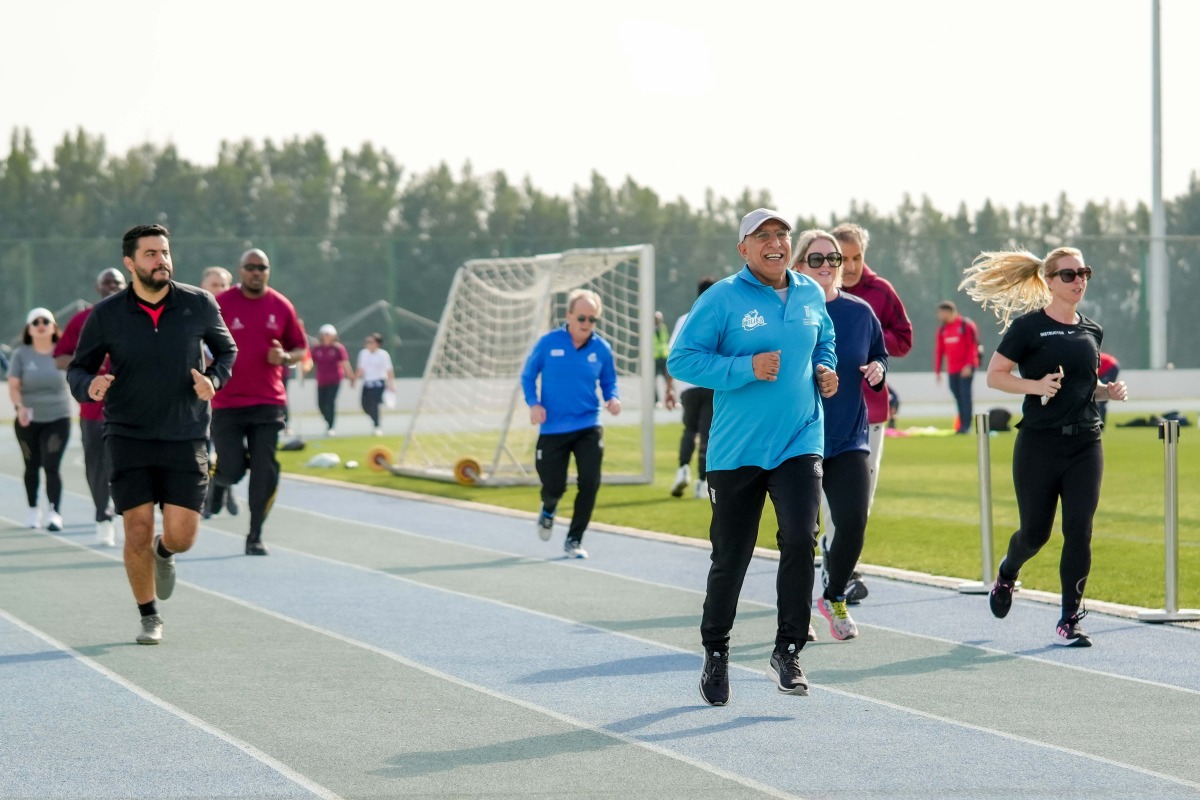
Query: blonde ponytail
(1010, 282)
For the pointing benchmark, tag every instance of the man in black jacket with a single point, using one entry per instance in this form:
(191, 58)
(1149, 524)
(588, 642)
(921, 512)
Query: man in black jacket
(156, 408)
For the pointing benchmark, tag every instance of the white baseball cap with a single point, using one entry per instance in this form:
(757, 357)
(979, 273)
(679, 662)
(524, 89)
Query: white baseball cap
(39, 313)
(327, 329)
(752, 221)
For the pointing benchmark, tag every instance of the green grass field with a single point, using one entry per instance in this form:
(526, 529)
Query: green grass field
(926, 514)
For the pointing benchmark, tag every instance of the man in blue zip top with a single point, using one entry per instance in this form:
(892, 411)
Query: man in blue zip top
(571, 360)
(763, 341)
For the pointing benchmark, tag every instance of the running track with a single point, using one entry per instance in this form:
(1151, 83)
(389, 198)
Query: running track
(392, 647)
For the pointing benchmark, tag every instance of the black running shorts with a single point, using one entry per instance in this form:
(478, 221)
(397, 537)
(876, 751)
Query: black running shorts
(154, 471)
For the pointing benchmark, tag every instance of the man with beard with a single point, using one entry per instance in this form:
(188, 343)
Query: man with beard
(91, 415)
(156, 395)
(250, 412)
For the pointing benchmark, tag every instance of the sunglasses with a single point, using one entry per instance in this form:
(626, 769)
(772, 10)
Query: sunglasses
(41, 322)
(1069, 275)
(255, 267)
(815, 260)
(582, 318)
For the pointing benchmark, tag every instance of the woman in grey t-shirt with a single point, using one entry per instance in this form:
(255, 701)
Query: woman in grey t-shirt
(38, 389)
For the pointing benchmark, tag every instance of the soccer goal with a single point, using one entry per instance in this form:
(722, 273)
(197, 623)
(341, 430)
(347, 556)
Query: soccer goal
(471, 423)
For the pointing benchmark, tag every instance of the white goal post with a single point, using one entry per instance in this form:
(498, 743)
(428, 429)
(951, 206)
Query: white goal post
(471, 410)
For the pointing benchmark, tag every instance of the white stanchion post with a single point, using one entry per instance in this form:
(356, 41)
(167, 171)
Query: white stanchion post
(1168, 431)
(982, 431)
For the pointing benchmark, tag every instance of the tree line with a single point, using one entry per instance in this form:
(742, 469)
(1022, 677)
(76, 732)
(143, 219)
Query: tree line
(347, 230)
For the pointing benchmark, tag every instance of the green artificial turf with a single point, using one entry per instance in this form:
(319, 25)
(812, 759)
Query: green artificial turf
(926, 515)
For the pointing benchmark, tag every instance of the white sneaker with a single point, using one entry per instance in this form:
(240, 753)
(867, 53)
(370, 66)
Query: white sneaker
(379, 431)
(573, 550)
(331, 432)
(682, 478)
(701, 490)
(34, 518)
(54, 522)
(106, 534)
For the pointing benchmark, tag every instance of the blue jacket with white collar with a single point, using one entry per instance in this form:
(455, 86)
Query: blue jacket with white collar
(758, 423)
(569, 377)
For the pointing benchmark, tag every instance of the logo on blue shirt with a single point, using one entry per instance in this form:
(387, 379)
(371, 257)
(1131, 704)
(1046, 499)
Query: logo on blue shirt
(753, 320)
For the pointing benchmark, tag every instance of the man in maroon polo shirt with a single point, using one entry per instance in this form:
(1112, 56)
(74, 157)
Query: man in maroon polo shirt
(250, 411)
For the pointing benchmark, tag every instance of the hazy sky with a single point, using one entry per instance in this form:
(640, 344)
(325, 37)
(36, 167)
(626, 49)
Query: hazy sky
(817, 102)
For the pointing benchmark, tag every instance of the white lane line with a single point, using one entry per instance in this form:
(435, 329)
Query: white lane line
(560, 563)
(248, 749)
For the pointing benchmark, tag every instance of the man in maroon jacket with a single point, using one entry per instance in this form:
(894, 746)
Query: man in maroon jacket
(859, 280)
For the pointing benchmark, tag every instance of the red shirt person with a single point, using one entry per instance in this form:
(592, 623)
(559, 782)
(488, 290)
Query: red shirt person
(958, 345)
(91, 415)
(249, 411)
(332, 364)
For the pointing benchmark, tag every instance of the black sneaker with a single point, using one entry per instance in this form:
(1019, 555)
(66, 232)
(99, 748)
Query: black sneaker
(856, 590)
(714, 678)
(786, 672)
(255, 546)
(1000, 598)
(1070, 634)
(231, 503)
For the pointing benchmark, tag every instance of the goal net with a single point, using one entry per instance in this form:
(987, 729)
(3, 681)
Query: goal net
(471, 410)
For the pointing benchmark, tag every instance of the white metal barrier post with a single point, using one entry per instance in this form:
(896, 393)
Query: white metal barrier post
(1168, 431)
(982, 431)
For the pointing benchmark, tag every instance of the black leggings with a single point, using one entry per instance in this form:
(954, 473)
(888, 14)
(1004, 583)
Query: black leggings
(327, 402)
(847, 487)
(697, 420)
(740, 494)
(554, 452)
(42, 446)
(247, 438)
(372, 399)
(1048, 465)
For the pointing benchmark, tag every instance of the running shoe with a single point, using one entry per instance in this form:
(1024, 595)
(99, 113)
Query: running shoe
(1001, 596)
(54, 522)
(231, 503)
(164, 572)
(714, 678)
(255, 547)
(856, 590)
(152, 625)
(812, 633)
(106, 533)
(573, 550)
(34, 518)
(682, 478)
(785, 670)
(841, 625)
(702, 490)
(545, 525)
(1070, 634)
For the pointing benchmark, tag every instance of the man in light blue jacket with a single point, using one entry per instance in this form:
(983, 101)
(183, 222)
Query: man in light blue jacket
(763, 341)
